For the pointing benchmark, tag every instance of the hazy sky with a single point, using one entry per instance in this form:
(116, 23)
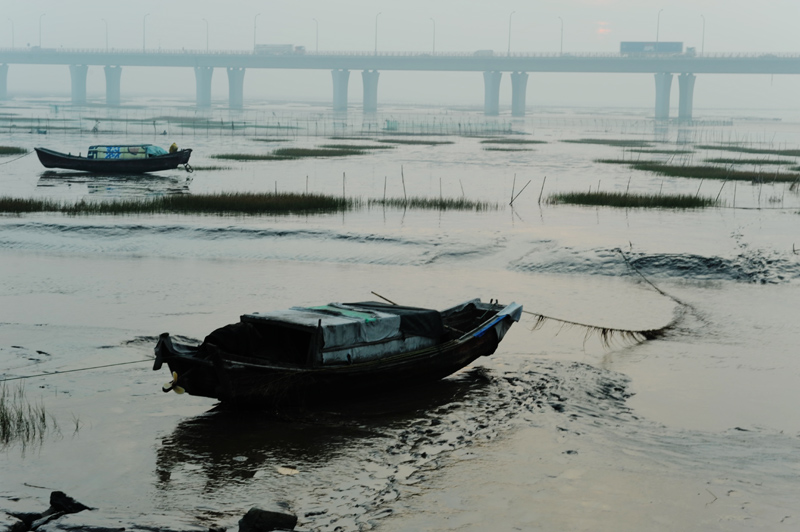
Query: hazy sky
(406, 25)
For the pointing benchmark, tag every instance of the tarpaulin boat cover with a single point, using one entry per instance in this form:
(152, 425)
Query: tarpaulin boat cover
(138, 151)
(352, 324)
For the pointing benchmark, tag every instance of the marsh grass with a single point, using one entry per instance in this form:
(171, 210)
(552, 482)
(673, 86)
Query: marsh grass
(369, 139)
(441, 204)
(298, 153)
(245, 157)
(416, 142)
(288, 154)
(722, 160)
(235, 203)
(714, 172)
(623, 143)
(356, 147)
(12, 150)
(212, 167)
(506, 149)
(704, 172)
(225, 203)
(627, 200)
(270, 140)
(743, 149)
(666, 152)
(512, 141)
(21, 420)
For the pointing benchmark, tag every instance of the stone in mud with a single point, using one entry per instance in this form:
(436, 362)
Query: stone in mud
(9, 523)
(60, 502)
(258, 520)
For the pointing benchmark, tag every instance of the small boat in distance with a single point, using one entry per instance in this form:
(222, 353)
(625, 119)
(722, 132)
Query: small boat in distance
(305, 354)
(118, 159)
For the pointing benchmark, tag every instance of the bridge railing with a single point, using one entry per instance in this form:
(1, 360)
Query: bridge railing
(483, 54)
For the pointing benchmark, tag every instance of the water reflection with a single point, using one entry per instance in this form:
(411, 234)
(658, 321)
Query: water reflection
(226, 446)
(117, 184)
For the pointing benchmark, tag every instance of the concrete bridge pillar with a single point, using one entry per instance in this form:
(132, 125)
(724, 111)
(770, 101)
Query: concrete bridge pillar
(77, 74)
(491, 100)
(340, 79)
(113, 76)
(663, 85)
(236, 87)
(370, 80)
(202, 77)
(519, 86)
(686, 96)
(3, 82)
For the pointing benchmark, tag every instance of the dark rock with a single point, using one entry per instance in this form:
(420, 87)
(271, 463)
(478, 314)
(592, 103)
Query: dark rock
(46, 519)
(258, 520)
(60, 502)
(27, 517)
(10, 523)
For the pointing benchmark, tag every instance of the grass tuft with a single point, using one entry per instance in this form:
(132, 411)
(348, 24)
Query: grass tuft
(512, 141)
(355, 147)
(248, 157)
(742, 149)
(722, 160)
(298, 153)
(627, 200)
(233, 203)
(212, 167)
(441, 204)
(705, 172)
(12, 150)
(713, 172)
(665, 152)
(416, 142)
(21, 420)
(611, 142)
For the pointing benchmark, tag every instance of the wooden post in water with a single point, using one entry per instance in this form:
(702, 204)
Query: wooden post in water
(542, 190)
(403, 178)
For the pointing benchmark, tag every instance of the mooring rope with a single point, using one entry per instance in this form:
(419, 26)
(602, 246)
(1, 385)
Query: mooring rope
(16, 158)
(75, 370)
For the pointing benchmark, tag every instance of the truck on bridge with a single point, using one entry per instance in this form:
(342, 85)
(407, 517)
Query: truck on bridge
(278, 49)
(646, 47)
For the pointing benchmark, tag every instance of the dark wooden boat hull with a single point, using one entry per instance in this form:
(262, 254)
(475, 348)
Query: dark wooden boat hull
(54, 159)
(233, 378)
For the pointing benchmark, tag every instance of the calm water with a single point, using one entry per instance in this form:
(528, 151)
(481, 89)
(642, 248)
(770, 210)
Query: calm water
(698, 430)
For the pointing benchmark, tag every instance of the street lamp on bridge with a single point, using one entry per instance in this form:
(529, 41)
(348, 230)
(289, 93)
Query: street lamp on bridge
(255, 20)
(703, 42)
(144, 22)
(376, 32)
(40, 29)
(658, 24)
(509, 31)
(106, 23)
(316, 40)
(434, 36)
(204, 20)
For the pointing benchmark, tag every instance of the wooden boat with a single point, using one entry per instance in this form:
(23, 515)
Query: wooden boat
(117, 159)
(305, 354)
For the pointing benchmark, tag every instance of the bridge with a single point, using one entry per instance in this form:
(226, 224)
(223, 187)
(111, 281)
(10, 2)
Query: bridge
(493, 66)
